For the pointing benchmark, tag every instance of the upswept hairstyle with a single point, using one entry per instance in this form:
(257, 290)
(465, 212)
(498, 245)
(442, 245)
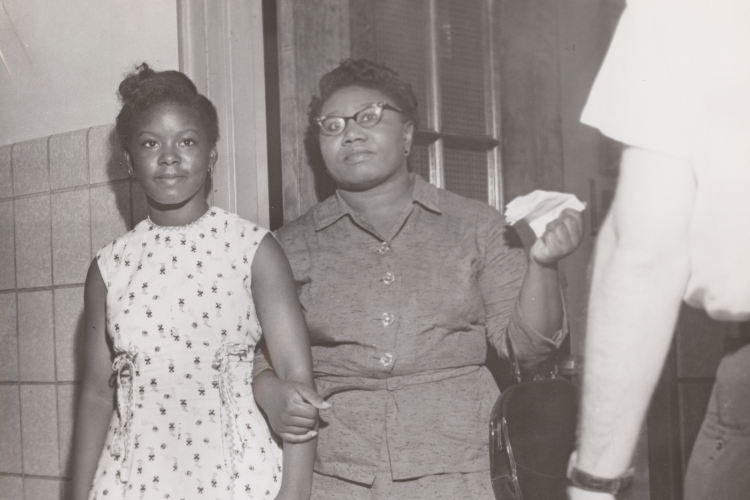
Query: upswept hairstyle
(367, 74)
(145, 88)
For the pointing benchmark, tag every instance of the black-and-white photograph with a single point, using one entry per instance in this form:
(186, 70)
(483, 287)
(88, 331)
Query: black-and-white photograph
(374, 250)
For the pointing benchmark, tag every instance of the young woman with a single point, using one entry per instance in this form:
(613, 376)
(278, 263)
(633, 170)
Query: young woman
(179, 303)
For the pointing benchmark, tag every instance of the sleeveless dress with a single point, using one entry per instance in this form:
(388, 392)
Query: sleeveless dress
(181, 316)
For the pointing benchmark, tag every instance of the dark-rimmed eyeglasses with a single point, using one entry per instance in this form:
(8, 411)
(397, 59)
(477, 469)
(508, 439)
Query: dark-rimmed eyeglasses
(367, 117)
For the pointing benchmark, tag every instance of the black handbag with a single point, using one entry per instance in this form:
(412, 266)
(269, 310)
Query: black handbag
(532, 434)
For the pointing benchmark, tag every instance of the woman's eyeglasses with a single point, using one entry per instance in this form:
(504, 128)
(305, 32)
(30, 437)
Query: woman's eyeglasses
(367, 117)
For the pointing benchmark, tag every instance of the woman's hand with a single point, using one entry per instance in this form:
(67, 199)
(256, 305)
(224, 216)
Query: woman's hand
(291, 407)
(561, 237)
(297, 415)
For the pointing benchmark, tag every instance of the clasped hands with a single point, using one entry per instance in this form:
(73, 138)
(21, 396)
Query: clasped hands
(292, 412)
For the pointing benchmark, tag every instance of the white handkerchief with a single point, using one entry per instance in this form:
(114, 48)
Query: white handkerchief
(539, 208)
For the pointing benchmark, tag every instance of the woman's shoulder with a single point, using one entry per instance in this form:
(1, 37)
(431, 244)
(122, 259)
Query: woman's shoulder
(296, 228)
(232, 224)
(114, 247)
(487, 224)
(110, 256)
(456, 205)
(239, 236)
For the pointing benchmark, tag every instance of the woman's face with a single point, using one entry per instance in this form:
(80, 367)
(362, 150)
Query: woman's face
(170, 154)
(361, 158)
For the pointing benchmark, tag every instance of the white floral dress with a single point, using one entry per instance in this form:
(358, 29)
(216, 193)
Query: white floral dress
(181, 316)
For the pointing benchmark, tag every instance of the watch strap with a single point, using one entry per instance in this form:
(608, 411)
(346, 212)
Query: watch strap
(585, 481)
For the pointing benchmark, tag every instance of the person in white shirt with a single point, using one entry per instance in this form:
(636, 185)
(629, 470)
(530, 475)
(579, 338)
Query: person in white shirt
(675, 89)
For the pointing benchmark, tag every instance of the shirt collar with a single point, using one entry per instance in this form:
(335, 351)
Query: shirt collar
(329, 211)
(333, 208)
(426, 194)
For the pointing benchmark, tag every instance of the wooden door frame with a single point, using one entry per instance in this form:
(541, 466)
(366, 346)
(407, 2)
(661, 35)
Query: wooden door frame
(221, 50)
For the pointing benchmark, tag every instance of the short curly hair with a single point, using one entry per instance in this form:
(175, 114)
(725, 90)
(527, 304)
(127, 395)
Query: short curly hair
(145, 88)
(367, 74)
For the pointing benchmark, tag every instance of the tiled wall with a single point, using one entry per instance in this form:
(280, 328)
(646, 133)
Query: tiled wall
(61, 198)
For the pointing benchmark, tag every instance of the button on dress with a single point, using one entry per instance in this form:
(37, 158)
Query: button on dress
(181, 316)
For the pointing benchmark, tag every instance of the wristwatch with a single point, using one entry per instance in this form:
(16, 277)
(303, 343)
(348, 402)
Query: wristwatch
(585, 481)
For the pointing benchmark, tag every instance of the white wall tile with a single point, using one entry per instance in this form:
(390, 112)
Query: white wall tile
(35, 336)
(6, 178)
(8, 337)
(33, 242)
(71, 236)
(30, 168)
(7, 246)
(68, 159)
(39, 432)
(10, 429)
(11, 488)
(40, 489)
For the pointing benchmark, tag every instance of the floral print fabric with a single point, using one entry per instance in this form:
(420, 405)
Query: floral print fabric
(181, 317)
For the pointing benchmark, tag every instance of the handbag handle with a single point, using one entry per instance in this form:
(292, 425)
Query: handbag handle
(514, 366)
(567, 365)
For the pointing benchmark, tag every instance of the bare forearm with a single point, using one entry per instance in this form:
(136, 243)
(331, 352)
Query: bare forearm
(296, 479)
(92, 421)
(285, 333)
(298, 457)
(635, 298)
(540, 299)
(264, 388)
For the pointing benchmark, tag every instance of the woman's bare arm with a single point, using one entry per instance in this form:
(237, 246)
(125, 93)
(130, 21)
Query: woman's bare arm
(291, 407)
(286, 336)
(540, 298)
(96, 400)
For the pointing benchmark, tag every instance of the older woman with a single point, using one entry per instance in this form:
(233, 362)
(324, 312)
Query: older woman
(402, 285)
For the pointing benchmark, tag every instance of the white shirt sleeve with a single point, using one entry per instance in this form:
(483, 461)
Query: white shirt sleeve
(640, 95)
